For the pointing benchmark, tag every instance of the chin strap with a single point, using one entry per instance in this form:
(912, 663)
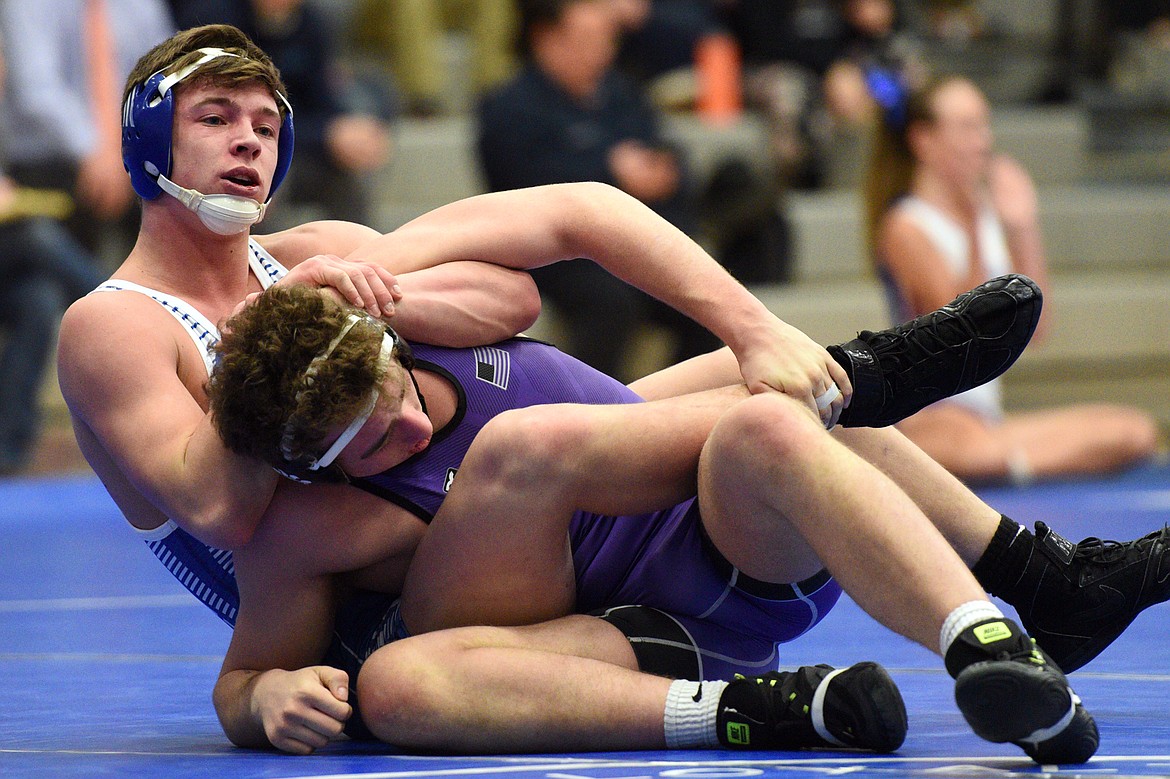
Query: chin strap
(223, 214)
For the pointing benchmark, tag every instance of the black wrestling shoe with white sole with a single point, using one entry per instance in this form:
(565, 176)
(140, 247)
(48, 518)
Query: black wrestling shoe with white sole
(814, 707)
(1008, 690)
(966, 343)
(1075, 599)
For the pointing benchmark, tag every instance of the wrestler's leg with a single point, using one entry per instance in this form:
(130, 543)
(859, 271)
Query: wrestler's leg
(569, 684)
(498, 552)
(768, 474)
(572, 685)
(780, 498)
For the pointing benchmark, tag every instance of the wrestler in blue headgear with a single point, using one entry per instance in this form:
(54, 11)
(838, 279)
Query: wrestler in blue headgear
(147, 129)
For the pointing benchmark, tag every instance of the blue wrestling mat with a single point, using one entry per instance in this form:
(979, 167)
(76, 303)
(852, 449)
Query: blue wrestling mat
(109, 666)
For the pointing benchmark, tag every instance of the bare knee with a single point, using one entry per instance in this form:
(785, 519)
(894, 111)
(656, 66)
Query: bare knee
(402, 689)
(767, 429)
(525, 449)
(1142, 433)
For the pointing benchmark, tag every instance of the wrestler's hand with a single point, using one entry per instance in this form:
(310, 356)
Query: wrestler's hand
(302, 710)
(361, 284)
(780, 358)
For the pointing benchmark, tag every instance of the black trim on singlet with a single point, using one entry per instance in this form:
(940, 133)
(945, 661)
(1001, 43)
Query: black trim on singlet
(379, 491)
(385, 493)
(760, 589)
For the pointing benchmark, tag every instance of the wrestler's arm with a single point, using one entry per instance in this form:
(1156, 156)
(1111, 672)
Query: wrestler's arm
(529, 228)
(272, 690)
(269, 692)
(456, 304)
(119, 371)
(701, 372)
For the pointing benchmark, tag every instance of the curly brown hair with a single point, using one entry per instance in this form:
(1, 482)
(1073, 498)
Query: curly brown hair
(181, 49)
(262, 403)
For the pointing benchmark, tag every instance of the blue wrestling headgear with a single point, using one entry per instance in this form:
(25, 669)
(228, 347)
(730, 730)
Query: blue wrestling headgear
(147, 134)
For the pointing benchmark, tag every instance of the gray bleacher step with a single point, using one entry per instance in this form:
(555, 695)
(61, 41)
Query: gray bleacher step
(434, 163)
(1109, 340)
(1051, 142)
(1083, 226)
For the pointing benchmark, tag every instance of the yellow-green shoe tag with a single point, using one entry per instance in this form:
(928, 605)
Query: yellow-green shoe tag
(738, 733)
(992, 632)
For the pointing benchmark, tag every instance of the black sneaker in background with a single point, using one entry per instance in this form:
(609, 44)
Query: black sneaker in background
(858, 707)
(1008, 690)
(966, 343)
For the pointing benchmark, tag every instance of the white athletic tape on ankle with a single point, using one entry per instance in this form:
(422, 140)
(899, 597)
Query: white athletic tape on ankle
(826, 398)
(818, 710)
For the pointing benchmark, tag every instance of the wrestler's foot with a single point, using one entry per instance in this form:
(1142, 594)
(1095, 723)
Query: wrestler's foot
(1075, 599)
(858, 707)
(1009, 690)
(966, 343)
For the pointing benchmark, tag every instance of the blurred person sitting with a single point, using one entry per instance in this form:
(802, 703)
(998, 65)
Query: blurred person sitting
(805, 68)
(944, 211)
(44, 270)
(67, 60)
(342, 134)
(409, 34)
(568, 116)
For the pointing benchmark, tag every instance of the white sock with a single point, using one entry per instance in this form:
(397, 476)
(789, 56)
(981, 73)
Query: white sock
(691, 712)
(963, 617)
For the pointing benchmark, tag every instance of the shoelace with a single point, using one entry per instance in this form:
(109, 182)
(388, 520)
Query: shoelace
(1102, 552)
(924, 338)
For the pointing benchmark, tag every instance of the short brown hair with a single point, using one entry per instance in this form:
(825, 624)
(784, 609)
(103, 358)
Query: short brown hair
(262, 403)
(251, 65)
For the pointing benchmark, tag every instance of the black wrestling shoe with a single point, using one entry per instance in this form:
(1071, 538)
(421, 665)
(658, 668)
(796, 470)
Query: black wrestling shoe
(1075, 599)
(1008, 690)
(858, 707)
(966, 343)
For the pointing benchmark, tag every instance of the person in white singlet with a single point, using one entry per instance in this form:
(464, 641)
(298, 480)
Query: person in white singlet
(944, 212)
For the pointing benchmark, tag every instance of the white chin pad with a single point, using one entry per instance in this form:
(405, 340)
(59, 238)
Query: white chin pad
(222, 214)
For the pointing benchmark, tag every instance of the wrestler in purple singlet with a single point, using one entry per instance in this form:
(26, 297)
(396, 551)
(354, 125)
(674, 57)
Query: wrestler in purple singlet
(661, 559)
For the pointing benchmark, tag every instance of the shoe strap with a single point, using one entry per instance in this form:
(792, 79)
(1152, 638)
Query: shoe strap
(1056, 546)
(869, 390)
(817, 710)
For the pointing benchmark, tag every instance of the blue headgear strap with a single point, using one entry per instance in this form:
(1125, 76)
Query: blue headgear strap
(148, 129)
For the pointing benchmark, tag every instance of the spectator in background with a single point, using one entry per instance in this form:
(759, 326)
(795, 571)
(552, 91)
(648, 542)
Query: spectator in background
(569, 115)
(659, 36)
(944, 211)
(43, 269)
(409, 33)
(806, 62)
(67, 60)
(340, 137)
(1139, 46)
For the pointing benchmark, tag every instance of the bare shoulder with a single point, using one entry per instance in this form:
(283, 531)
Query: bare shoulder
(299, 243)
(109, 337)
(898, 232)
